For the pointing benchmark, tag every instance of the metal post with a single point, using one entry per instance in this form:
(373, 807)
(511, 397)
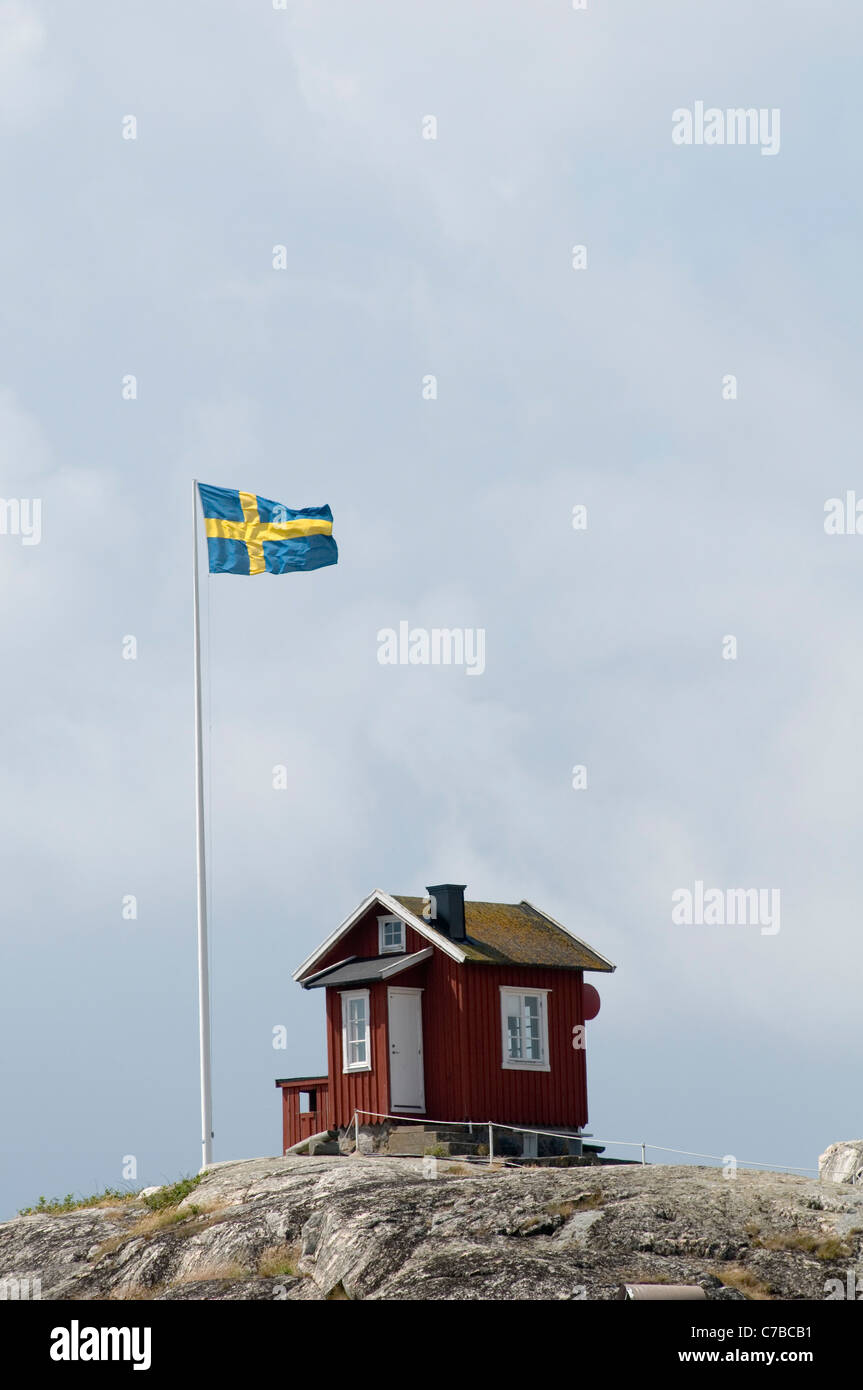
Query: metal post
(643, 1159)
(490, 1141)
(357, 1130)
(203, 954)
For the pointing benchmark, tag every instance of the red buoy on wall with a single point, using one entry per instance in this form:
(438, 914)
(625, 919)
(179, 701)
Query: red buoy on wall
(591, 1003)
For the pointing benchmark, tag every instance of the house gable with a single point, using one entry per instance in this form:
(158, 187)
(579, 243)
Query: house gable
(358, 935)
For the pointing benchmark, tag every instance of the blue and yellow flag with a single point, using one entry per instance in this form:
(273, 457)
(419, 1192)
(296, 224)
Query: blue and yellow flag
(247, 534)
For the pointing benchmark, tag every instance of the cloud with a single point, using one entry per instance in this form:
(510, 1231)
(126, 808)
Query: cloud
(555, 388)
(28, 76)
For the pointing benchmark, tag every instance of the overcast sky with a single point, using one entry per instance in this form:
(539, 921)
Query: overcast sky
(602, 386)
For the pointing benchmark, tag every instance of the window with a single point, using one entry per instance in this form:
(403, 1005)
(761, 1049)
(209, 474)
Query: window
(391, 935)
(524, 1025)
(356, 1048)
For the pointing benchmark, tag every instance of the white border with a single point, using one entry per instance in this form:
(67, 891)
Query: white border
(348, 994)
(386, 919)
(507, 1064)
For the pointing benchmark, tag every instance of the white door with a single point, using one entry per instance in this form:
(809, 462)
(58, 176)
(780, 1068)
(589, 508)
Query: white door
(407, 1083)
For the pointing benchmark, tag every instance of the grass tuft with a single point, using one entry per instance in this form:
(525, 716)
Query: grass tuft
(114, 1197)
(172, 1195)
(738, 1277)
(279, 1259)
(827, 1248)
(52, 1206)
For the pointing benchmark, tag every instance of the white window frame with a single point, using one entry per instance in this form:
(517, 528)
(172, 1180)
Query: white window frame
(524, 1064)
(346, 996)
(391, 950)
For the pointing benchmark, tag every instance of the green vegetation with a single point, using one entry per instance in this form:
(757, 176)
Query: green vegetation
(174, 1194)
(51, 1206)
(169, 1196)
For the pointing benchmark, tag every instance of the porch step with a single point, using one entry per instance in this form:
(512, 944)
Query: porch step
(415, 1140)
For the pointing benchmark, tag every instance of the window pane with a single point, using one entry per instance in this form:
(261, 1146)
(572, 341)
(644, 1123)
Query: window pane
(356, 1032)
(513, 1033)
(533, 1044)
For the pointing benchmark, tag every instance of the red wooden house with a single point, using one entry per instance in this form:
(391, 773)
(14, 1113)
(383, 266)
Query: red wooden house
(449, 1009)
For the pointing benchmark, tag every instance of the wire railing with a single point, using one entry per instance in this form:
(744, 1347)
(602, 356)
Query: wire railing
(491, 1125)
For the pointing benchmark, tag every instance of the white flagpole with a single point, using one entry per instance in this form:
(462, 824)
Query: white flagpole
(203, 957)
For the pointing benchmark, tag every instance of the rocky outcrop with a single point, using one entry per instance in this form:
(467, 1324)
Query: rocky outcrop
(843, 1162)
(383, 1228)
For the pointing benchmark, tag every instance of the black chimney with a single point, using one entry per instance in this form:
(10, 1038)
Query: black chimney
(447, 909)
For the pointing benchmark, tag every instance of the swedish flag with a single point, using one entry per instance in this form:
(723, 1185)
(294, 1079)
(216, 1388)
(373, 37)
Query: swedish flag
(247, 534)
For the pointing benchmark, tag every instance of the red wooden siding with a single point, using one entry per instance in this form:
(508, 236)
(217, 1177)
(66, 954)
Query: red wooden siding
(555, 1097)
(358, 1090)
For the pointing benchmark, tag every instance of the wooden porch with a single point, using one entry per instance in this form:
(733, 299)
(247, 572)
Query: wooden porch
(305, 1108)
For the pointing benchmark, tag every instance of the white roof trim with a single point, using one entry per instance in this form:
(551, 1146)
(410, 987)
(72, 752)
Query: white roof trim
(396, 909)
(548, 917)
(405, 962)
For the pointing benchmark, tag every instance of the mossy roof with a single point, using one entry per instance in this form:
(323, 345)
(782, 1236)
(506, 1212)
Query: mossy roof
(517, 934)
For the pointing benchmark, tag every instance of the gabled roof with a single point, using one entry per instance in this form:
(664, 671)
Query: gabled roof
(389, 904)
(497, 934)
(519, 934)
